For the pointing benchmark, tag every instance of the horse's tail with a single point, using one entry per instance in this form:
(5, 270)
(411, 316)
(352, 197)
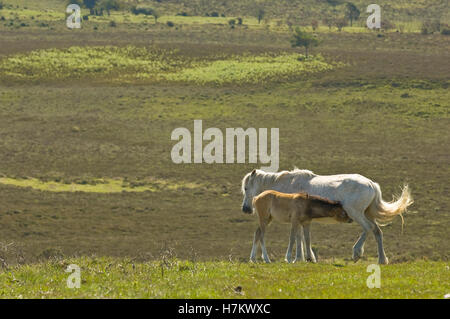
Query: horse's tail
(384, 212)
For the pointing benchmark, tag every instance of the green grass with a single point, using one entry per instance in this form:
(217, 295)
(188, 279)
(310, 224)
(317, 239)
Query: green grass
(252, 69)
(173, 278)
(122, 64)
(104, 186)
(76, 62)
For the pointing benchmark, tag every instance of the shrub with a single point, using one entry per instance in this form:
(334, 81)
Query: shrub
(145, 11)
(112, 24)
(239, 21)
(182, 14)
(214, 14)
(430, 27)
(232, 22)
(1, 5)
(170, 24)
(314, 24)
(387, 25)
(445, 31)
(340, 23)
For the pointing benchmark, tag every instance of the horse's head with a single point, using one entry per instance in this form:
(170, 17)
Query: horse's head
(250, 189)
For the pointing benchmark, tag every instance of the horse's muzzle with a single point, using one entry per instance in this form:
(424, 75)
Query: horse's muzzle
(246, 209)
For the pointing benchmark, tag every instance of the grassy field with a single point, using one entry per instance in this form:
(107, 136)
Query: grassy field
(85, 170)
(173, 278)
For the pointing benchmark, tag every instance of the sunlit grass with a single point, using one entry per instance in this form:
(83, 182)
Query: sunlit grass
(251, 69)
(122, 64)
(100, 185)
(77, 62)
(173, 278)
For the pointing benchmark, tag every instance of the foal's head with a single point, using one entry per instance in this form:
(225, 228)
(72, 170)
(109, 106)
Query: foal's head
(340, 215)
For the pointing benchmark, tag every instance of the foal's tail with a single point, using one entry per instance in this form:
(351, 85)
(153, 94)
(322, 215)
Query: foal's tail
(384, 212)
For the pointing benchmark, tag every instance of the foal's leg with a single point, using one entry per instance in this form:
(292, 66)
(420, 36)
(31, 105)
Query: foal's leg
(256, 239)
(265, 256)
(292, 238)
(299, 250)
(309, 253)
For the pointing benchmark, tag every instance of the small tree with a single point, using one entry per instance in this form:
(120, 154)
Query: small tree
(340, 23)
(109, 5)
(260, 13)
(314, 24)
(156, 15)
(90, 4)
(328, 22)
(303, 39)
(351, 12)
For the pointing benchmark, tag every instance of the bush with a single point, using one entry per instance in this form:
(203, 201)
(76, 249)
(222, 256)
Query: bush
(239, 21)
(1, 5)
(112, 24)
(182, 14)
(445, 31)
(424, 29)
(340, 23)
(232, 22)
(86, 18)
(214, 14)
(170, 24)
(314, 24)
(430, 27)
(146, 11)
(387, 25)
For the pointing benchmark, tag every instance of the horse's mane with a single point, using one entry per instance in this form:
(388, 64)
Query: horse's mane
(317, 198)
(267, 178)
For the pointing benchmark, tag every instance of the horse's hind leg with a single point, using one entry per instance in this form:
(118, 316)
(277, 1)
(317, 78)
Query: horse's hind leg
(367, 225)
(256, 239)
(299, 250)
(382, 259)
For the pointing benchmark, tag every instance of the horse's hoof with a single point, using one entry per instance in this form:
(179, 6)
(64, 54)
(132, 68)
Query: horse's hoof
(356, 258)
(384, 261)
(311, 260)
(252, 260)
(298, 260)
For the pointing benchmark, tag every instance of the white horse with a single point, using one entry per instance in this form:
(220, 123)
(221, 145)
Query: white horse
(360, 197)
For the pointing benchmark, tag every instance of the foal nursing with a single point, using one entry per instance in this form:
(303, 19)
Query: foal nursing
(297, 209)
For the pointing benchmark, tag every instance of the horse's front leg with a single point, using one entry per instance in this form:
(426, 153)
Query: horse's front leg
(299, 249)
(309, 253)
(256, 239)
(292, 239)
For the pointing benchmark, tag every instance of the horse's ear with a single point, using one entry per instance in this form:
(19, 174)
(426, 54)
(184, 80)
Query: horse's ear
(254, 172)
